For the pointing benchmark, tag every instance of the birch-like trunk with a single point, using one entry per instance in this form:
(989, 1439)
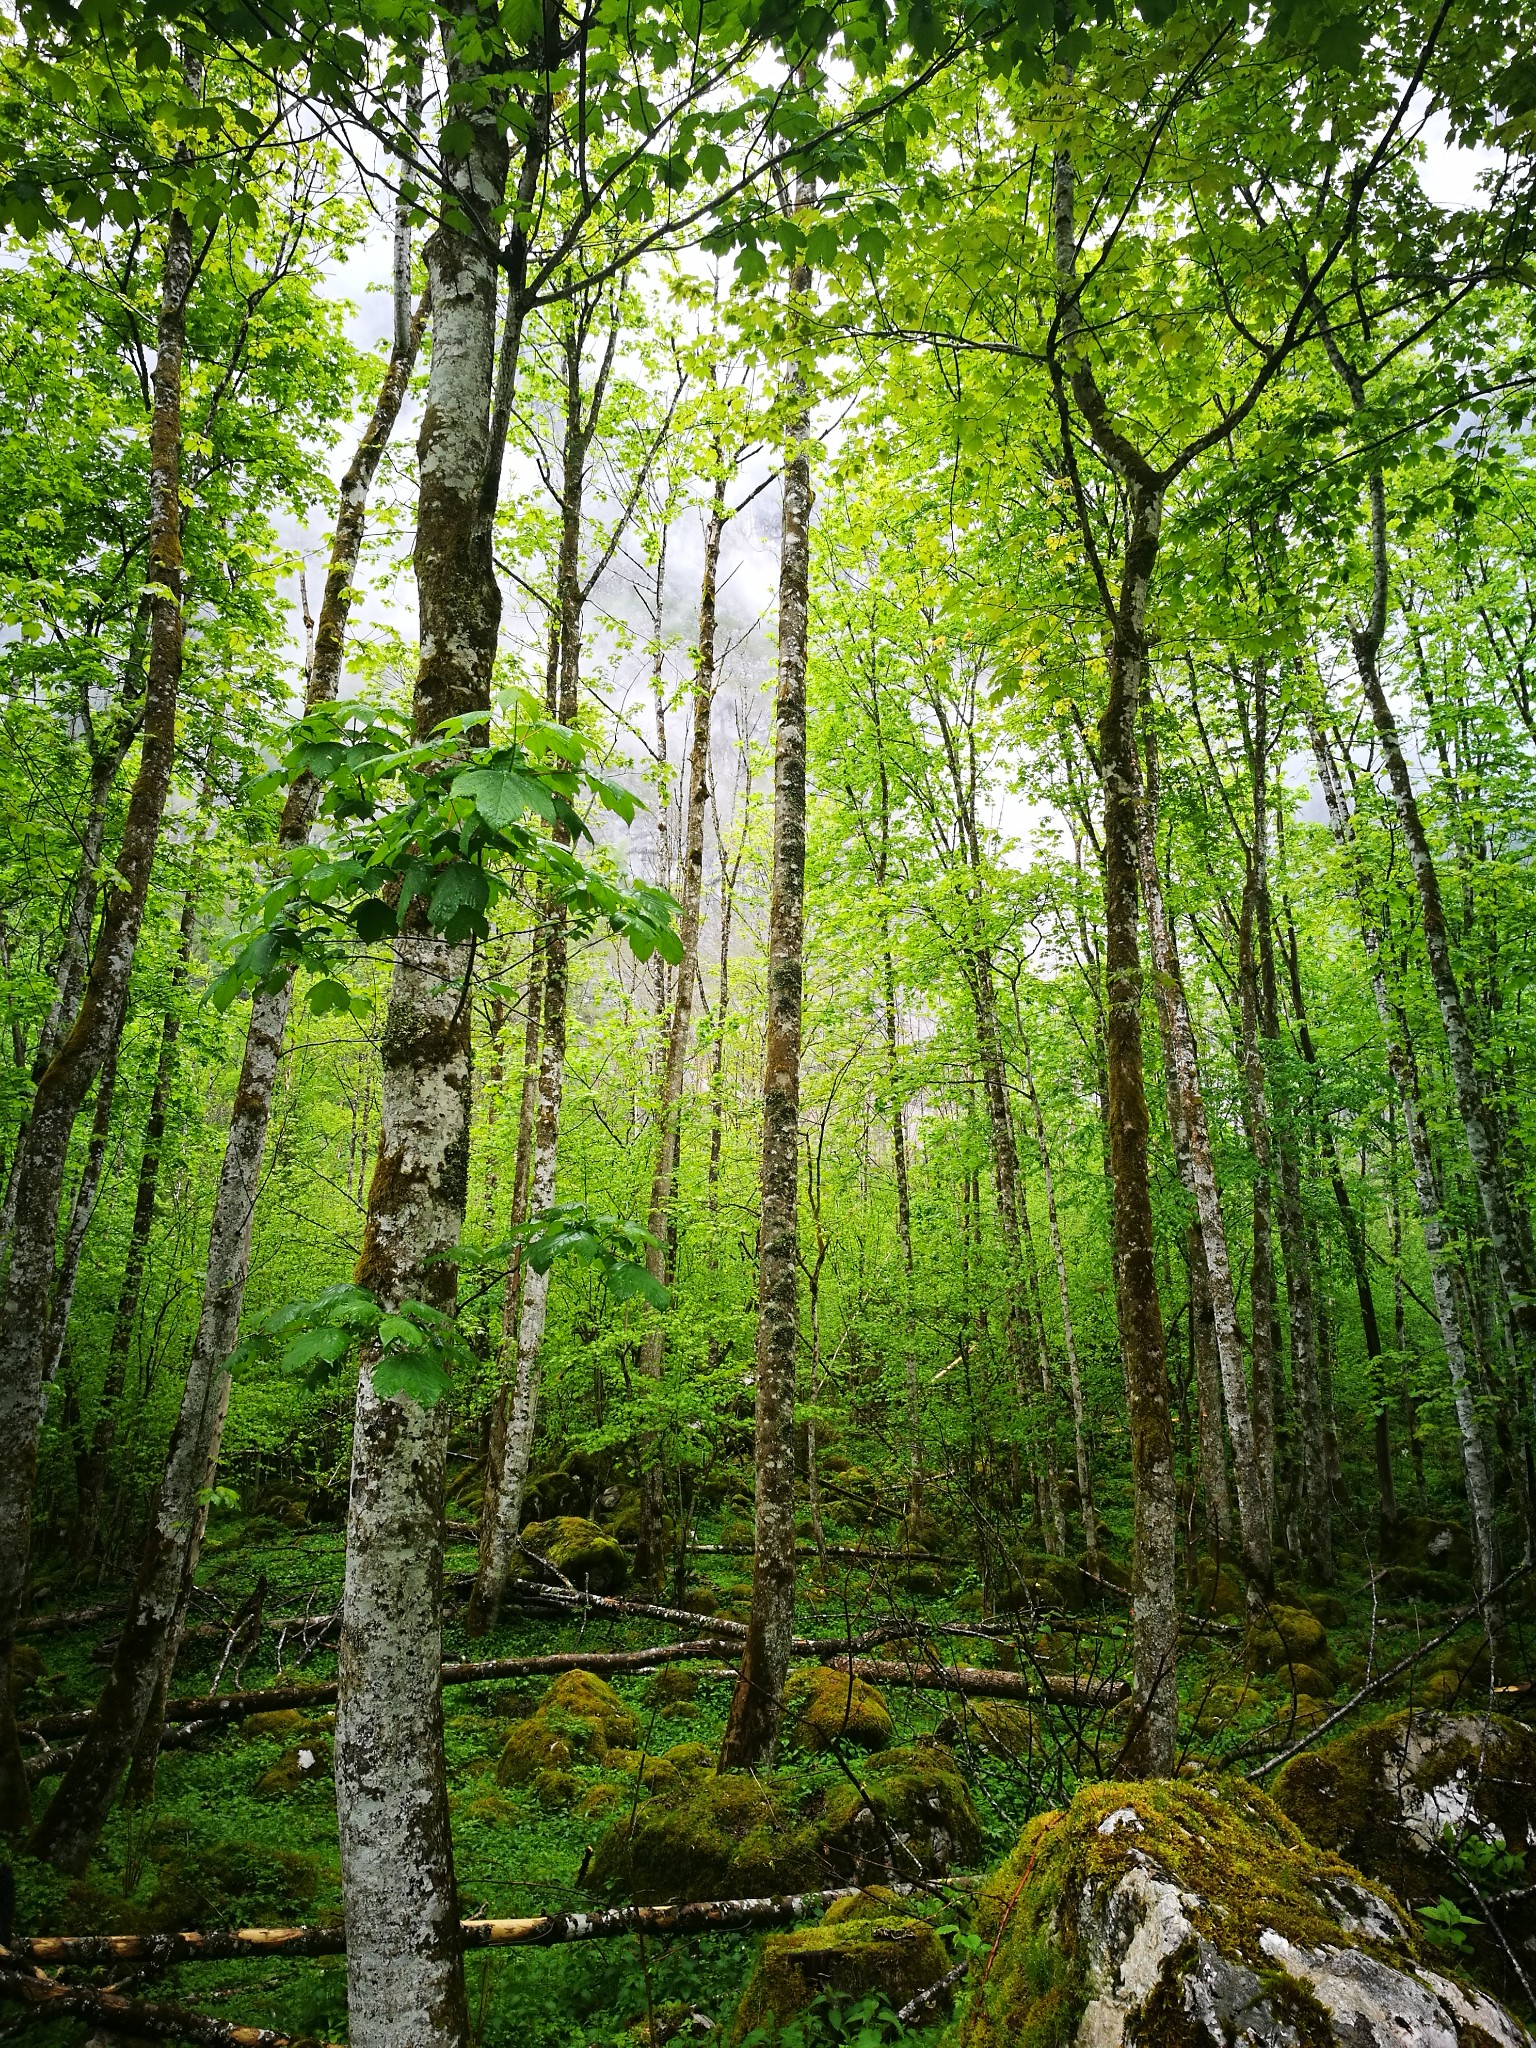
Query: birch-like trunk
(1211, 1277)
(757, 1703)
(675, 1057)
(1475, 1464)
(1261, 1272)
(66, 1081)
(125, 1719)
(405, 1973)
(1081, 1449)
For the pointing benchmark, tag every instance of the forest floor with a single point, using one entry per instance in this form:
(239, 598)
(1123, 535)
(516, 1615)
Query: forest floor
(238, 1835)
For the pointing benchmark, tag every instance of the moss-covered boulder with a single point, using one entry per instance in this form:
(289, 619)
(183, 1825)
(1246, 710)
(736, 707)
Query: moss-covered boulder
(911, 1816)
(1433, 1543)
(1219, 1589)
(725, 1837)
(1190, 1915)
(582, 1552)
(1283, 1639)
(1384, 1796)
(1040, 1581)
(823, 1707)
(730, 1836)
(893, 1954)
(874, 1902)
(579, 1719)
(1001, 1728)
(307, 1763)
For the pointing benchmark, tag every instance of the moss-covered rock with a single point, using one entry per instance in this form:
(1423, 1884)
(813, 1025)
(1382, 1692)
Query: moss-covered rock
(282, 1722)
(874, 1902)
(585, 1554)
(1433, 1543)
(911, 1816)
(1383, 1796)
(711, 1838)
(1171, 1915)
(306, 1763)
(1285, 1638)
(895, 1955)
(823, 1707)
(1040, 1581)
(1000, 1727)
(733, 1836)
(1219, 1589)
(579, 1719)
(27, 1668)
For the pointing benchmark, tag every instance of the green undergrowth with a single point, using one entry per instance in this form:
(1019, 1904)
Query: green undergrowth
(237, 1835)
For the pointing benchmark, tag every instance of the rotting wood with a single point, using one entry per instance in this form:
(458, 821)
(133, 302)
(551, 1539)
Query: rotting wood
(1057, 1688)
(542, 1930)
(139, 2017)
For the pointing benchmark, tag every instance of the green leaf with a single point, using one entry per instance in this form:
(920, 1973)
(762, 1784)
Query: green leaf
(328, 998)
(326, 1343)
(503, 795)
(624, 1282)
(415, 1374)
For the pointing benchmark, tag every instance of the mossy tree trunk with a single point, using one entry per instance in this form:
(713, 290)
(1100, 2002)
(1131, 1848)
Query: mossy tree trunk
(757, 1702)
(126, 1719)
(1150, 1747)
(66, 1081)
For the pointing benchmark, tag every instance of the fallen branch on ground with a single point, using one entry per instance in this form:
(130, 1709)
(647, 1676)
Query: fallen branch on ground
(931, 1994)
(543, 1930)
(141, 2017)
(82, 1617)
(1058, 1688)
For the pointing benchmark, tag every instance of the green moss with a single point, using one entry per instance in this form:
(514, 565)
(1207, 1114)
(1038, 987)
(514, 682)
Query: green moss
(1241, 1865)
(1218, 1591)
(892, 1954)
(823, 1707)
(997, 1726)
(579, 1718)
(875, 1902)
(711, 1838)
(1345, 1795)
(587, 1555)
(910, 1816)
(1286, 1637)
(306, 1763)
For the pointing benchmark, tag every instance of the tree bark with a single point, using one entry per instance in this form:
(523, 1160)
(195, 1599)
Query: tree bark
(405, 1976)
(1211, 1283)
(125, 1721)
(751, 1733)
(669, 1109)
(1261, 1273)
(65, 1082)
(1475, 1465)
(91, 1472)
(1151, 1745)
(1080, 1443)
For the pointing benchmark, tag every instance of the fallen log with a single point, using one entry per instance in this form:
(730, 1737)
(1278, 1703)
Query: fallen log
(1058, 1689)
(542, 1930)
(148, 2019)
(82, 1617)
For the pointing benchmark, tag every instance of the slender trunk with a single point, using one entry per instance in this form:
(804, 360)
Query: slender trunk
(499, 1535)
(1311, 1465)
(1211, 1274)
(1069, 1340)
(1202, 1333)
(1151, 1745)
(1505, 1236)
(1261, 1273)
(124, 1720)
(756, 1705)
(489, 1570)
(1354, 1242)
(903, 1219)
(669, 1108)
(1475, 1465)
(82, 1208)
(91, 1473)
(405, 1973)
(64, 1084)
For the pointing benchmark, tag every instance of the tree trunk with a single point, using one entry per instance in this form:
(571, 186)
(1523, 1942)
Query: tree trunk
(669, 1109)
(1474, 1457)
(1211, 1281)
(1261, 1274)
(1069, 1341)
(489, 1570)
(64, 1084)
(125, 1719)
(405, 1975)
(757, 1703)
(91, 1473)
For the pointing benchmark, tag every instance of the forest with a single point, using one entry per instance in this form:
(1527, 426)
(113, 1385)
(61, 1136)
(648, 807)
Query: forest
(767, 913)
